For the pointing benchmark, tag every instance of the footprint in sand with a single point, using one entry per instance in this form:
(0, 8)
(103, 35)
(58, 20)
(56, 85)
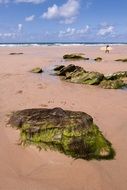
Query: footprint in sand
(19, 92)
(43, 105)
(40, 86)
(50, 101)
(63, 102)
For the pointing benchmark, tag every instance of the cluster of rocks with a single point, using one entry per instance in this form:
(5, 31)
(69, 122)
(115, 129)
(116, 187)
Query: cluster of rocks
(79, 56)
(77, 74)
(72, 133)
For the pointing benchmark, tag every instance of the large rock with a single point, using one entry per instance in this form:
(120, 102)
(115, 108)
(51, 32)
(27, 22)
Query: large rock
(72, 133)
(75, 56)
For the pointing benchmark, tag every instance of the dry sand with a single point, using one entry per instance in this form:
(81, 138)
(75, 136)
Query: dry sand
(27, 168)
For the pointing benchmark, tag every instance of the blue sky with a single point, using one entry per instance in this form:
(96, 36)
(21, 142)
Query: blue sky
(63, 20)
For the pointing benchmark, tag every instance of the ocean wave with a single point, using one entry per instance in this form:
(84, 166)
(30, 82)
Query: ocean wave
(56, 44)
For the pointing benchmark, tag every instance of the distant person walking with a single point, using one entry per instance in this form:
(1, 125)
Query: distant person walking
(107, 49)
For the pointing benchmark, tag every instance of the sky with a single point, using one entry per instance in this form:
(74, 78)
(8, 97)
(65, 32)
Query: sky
(63, 21)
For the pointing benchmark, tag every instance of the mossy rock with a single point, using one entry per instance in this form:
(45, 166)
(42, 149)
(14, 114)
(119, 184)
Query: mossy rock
(76, 74)
(116, 75)
(59, 67)
(112, 84)
(98, 59)
(72, 133)
(64, 70)
(37, 70)
(120, 74)
(91, 78)
(75, 57)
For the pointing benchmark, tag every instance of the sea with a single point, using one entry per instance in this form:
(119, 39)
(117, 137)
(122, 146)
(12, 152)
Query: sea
(25, 44)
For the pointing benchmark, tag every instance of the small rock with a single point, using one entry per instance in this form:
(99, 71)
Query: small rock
(37, 70)
(75, 57)
(15, 53)
(98, 59)
(123, 60)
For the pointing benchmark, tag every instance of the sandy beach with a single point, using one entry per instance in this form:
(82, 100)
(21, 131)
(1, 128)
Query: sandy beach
(25, 168)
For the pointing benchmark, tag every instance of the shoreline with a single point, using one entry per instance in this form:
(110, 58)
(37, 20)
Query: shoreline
(59, 44)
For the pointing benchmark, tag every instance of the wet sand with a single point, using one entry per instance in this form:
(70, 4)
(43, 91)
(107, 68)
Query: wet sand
(27, 168)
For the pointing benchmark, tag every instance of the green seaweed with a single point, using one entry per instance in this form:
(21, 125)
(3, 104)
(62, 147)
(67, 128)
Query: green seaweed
(71, 133)
(90, 144)
(112, 84)
(76, 74)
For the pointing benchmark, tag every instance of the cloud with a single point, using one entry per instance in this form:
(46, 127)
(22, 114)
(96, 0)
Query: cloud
(66, 11)
(84, 30)
(67, 32)
(105, 30)
(20, 26)
(52, 12)
(68, 20)
(30, 18)
(30, 1)
(12, 33)
(7, 35)
(73, 32)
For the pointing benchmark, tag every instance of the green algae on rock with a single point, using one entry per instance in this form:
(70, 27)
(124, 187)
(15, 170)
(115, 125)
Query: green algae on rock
(37, 70)
(75, 56)
(116, 75)
(77, 74)
(91, 78)
(112, 84)
(72, 133)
